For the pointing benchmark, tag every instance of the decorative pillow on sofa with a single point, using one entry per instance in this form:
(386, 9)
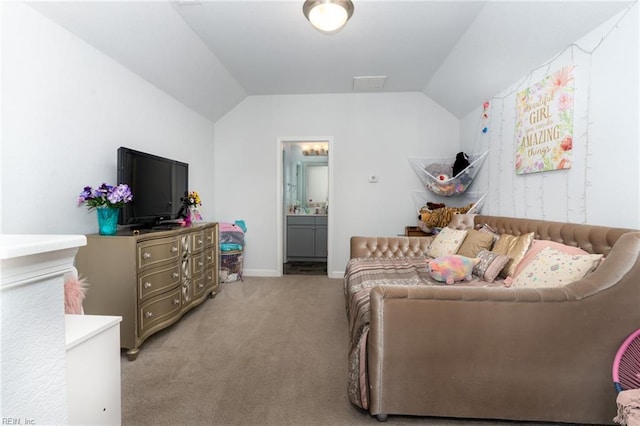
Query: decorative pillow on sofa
(553, 268)
(489, 265)
(452, 268)
(474, 242)
(447, 242)
(538, 245)
(513, 246)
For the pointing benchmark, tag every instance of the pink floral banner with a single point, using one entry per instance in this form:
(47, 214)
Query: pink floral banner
(544, 124)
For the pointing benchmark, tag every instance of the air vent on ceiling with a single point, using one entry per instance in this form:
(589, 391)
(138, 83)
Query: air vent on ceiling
(187, 2)
(373, 83)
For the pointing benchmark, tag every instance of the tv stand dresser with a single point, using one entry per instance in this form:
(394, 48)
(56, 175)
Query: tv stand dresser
(150, 278)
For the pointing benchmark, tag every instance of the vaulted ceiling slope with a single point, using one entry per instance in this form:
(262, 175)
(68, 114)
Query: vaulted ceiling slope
(210, 55)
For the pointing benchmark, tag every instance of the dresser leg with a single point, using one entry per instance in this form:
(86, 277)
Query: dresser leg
(132, 354)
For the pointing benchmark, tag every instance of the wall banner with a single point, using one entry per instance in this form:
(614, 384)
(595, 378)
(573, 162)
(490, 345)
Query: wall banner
(544, 124)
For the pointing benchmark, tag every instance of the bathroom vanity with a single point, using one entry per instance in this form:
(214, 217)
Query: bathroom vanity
(307, 237)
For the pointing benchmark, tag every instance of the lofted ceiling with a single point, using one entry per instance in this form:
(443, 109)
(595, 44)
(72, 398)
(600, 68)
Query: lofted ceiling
(210, 55)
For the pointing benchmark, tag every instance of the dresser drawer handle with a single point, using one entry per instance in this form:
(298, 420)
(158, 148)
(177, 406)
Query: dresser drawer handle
(146, 255)
(175, 275)
(148, 314)
(174, 249)
(200, 285)
(209, 257)
(176, 302)
(147, 284)
(200, 263)
(209, 277)
(209, 238)
(199, 241)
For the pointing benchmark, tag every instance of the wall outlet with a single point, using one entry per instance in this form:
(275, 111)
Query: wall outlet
(373, 179)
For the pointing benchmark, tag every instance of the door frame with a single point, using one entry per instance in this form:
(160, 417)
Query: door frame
(280, 216)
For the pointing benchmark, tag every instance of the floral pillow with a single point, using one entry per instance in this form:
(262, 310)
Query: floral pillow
(452, 268)
(447, 242)
(553, 268)
(489, 265)
(538, 245)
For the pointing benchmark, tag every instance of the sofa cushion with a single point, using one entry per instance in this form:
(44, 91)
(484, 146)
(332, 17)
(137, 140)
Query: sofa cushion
(489, 265)
(474, 242)
(553, 268)
(513, 246)
(446, 243)
(452, 268)
(538, 245)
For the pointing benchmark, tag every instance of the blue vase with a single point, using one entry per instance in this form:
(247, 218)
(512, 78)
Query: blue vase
(107, 220)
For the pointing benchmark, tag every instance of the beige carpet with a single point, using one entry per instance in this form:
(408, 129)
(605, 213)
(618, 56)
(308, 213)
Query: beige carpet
(266, 351)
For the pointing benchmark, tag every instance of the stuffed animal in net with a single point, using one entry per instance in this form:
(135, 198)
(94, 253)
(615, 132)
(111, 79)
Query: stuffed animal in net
(461, 163)
(439, 218)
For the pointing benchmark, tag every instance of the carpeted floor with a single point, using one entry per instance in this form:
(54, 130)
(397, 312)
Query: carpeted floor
(304, 268)
(266, 351)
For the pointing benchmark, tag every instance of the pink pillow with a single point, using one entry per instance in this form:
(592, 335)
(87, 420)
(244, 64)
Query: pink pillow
(538, 245)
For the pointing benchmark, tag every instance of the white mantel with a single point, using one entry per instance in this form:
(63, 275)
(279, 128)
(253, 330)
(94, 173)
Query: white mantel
(32, 350)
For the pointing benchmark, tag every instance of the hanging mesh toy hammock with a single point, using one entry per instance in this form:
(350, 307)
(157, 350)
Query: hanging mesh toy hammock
(421, 198)
(435, 174)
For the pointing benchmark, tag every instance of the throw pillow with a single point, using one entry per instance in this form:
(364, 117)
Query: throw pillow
(552, 268)
(474, 242)
(447, 242)
(513, 246)
(452, 268)
(489, 265)
(538, 245)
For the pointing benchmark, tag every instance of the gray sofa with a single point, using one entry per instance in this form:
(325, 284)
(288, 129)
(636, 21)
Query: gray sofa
(495, 352)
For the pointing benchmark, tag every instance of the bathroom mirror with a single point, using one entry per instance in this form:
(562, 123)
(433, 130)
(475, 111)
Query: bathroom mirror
(313, 183)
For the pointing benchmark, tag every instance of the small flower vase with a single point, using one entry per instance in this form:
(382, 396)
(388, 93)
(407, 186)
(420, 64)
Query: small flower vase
(107, 220)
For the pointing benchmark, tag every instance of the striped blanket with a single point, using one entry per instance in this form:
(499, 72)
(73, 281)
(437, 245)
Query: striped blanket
(361, 275)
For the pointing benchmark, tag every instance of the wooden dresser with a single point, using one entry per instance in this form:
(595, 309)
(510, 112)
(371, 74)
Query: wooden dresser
(150, 279)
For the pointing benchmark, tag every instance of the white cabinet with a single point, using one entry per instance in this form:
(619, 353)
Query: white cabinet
(93, 369)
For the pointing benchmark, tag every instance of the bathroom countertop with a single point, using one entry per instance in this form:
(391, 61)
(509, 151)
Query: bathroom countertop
(307, 214)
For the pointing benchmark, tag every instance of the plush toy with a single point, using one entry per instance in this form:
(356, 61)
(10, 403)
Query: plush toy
(434, 206)
(439, 218)
(449, 269)
(461, 163)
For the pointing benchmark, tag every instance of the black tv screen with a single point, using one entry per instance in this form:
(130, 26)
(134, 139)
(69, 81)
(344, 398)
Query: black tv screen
(157, 184)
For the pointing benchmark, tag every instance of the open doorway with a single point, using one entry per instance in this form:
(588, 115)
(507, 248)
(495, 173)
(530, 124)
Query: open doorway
(304, 205)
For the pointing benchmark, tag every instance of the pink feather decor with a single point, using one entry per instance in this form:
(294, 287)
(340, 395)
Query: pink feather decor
(74, 292)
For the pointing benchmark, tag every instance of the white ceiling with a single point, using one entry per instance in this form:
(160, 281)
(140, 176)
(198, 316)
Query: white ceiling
(212, 54)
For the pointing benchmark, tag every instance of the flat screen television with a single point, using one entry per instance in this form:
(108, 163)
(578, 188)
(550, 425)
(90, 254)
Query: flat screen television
(157, 185)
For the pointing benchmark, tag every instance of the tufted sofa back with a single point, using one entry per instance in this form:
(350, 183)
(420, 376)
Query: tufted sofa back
(591, 238)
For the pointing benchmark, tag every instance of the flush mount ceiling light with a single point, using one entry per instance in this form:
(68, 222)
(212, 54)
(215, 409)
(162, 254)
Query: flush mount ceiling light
(328, 15)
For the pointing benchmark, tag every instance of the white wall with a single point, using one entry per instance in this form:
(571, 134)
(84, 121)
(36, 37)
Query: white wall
(602, 186)
(373, 134)
(66, 108)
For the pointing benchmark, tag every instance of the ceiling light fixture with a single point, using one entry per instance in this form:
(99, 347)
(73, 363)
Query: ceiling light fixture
(328, 15)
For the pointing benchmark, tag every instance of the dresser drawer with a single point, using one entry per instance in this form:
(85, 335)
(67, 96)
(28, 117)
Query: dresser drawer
(210, 258)
(154, 252)
(210, 281)
(197, 264)
(197, 241)
(199, 285)
(161, 309)
(210, 237)
(158, 280)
